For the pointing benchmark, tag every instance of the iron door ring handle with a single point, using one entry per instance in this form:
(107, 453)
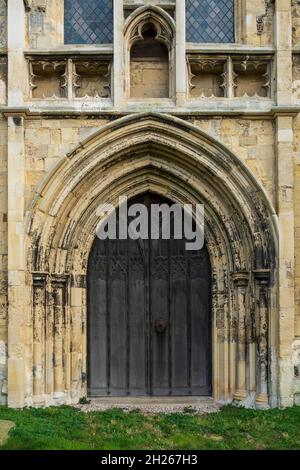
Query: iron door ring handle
(160, 325)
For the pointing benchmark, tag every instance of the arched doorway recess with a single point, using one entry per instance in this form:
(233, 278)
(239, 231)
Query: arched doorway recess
(173, 159)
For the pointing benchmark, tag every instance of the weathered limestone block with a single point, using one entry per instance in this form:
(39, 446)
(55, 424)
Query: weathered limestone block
(3, 373)
(296, 363)
(5, 428)
(296, 22)
(3, 79)
(252, 141)
(259, 22)
(45, 23)
(48, 141)
(296, 78)
(3, 261)
(3, 24)
(297, 225)
(149, 79)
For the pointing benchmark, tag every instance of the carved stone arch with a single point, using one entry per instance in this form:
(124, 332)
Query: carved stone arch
(161, 20)
(164, 26)
(171, 158)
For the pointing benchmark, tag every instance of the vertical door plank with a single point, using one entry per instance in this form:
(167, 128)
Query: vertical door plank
(137, 319)
(200, 339)
(159, 306)
(118, 317)
(179, 312)
(97, 318)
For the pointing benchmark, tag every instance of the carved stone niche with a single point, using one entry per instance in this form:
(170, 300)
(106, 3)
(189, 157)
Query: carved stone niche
(130, 6)
(149, 63)
(207, 78)
(252, 78)
(91, 79)
(48, 79)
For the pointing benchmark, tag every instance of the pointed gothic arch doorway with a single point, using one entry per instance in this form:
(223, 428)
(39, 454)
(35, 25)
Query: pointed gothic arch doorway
(149, 320)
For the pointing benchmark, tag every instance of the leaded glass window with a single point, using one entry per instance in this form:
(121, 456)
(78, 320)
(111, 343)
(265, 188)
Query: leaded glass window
(88, 21)
(210, 21)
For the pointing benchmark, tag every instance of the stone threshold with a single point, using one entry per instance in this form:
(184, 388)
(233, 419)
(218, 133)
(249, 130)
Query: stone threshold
(199, 405)
(174, 400)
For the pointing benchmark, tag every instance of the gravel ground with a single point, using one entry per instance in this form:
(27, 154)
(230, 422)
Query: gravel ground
(201, 408)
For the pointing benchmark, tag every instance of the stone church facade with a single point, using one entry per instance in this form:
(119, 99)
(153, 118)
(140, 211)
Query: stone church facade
(193, 101)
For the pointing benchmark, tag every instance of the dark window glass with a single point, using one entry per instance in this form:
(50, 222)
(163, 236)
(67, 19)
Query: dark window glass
(210, 21)
(88, 21)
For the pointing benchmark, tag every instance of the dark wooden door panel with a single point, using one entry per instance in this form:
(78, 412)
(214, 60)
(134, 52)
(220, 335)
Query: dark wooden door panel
(137, 321)
(118, 340)
(159, 340)
(159, 312)
(148, 318)
(179, 334)
(97, 325)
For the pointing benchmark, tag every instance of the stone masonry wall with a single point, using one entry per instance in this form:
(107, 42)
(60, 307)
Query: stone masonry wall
(3, 24)
(253, 10)
(252, 141)
(45, 24)
(3, 261)
(296, 22)
(297, 226)
(48, 140)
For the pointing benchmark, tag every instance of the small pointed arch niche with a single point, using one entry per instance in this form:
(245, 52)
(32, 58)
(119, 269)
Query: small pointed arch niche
(149, 54)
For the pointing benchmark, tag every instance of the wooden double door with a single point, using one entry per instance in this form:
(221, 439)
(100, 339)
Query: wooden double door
(149, 325)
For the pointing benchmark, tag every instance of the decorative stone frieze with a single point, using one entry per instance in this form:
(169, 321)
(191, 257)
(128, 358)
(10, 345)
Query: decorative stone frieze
(73, 78)
(91, 79)
(48, 79)
(247, 77)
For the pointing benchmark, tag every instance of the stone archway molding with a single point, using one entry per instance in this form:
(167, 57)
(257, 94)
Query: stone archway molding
(175, 159)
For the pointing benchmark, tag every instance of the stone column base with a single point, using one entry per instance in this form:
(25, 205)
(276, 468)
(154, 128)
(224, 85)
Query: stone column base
(240, 395)
(262, 401)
